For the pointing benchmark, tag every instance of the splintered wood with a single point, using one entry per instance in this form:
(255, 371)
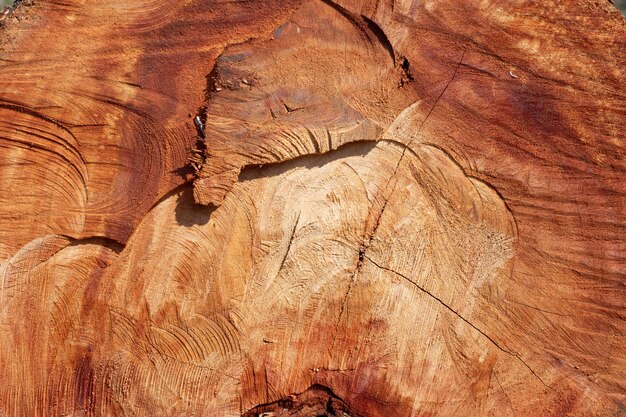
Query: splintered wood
(312, 208)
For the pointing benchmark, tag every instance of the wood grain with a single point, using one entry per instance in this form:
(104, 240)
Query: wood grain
(396, 208)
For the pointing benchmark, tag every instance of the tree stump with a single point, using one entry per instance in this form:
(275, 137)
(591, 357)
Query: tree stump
(312, 208)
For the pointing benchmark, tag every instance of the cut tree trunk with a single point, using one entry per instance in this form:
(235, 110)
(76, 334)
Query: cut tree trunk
(384, 208)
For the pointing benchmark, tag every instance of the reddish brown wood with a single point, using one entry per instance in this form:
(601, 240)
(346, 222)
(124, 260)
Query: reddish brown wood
(392, 208)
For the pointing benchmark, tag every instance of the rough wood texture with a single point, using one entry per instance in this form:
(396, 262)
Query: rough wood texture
(398, 208)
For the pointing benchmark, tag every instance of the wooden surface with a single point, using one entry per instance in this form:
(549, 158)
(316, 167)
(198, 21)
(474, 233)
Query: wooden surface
(398, 208)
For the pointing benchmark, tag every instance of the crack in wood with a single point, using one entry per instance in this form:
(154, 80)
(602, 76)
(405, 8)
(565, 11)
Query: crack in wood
(447, 307)
(316, 401)
(291, 236)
